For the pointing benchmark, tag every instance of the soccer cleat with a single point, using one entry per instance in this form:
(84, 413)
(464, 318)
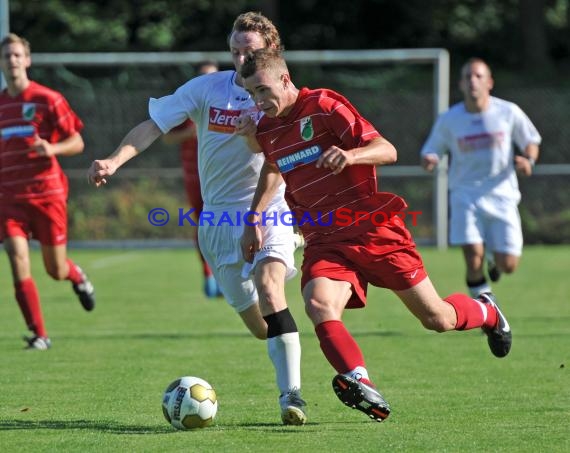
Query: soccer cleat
(211, 287)
(499, 337)
(37, 342)
(292, 408)
(85, 291)
(358, 395)
(493, 270)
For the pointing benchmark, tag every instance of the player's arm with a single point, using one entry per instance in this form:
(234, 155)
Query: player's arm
(436, 144)
(67, 147)
(377, 151)
(269, 181)
(524, 164)
(247, 128)
(135, 142)
(177, 136)
(429, 161)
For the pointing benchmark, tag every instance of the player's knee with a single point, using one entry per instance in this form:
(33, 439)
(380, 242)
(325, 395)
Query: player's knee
(57, 272)
(272, 297)
(507, 263)
(509, 267)
(437, 323)
(319, 312)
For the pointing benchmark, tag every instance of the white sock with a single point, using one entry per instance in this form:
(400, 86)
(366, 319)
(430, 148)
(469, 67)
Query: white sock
(285, 353)
(475, 291)
(483, 308)
(358, 373)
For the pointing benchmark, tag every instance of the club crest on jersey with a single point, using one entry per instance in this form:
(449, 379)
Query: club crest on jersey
(307, 130)
(304, 156)
(28, 111)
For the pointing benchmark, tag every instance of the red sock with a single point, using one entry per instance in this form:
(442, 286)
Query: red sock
(205, 267)
(74, 274)
(470, 312)
(338, 346)
(29, 302)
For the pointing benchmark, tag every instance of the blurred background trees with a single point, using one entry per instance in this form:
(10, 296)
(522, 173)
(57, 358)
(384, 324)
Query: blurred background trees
(533, 35)
(526, 42)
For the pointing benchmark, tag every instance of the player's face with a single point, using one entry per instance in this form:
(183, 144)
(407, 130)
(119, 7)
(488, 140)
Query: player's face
(14, 60)
(476, 81)
(242, 43)
(268, 90)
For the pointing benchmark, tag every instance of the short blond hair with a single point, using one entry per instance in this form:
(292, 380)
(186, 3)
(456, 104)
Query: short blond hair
(13, 38)
(257, 22)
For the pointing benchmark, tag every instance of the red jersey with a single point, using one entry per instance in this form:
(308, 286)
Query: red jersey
(24, 175)
(188, 148)
(320, 119)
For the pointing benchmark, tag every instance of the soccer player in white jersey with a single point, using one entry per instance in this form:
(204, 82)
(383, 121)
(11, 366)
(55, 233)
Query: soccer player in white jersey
(481, 134)
(228, 174)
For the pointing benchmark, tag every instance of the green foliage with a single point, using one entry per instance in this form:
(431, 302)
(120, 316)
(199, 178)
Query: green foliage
(100, 386)
(121, 212)
(490, 28)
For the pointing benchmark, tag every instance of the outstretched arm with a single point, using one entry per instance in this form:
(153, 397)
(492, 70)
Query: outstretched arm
(135, 142)
(269, 181)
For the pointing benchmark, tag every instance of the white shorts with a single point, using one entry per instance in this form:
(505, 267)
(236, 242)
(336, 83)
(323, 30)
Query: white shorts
(220, 245)
(490, 220)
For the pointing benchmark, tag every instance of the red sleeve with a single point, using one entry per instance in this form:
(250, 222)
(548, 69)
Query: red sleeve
(346, 122)
(65, 121)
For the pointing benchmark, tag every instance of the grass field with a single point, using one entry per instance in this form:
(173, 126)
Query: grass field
(100, 386)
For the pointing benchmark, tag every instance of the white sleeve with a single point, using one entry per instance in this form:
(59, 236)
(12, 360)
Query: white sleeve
(171, 110)
(524, 132)
(437, 141)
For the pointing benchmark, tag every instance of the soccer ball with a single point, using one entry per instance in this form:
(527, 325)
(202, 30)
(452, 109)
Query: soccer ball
(189, 402)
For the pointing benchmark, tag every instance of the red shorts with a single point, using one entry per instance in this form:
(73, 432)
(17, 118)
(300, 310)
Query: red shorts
(385, 256)
(44, 221)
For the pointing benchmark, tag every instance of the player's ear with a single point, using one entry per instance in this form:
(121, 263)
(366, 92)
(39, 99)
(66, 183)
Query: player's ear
(286, 80)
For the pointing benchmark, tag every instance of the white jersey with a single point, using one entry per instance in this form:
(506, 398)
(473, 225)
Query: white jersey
(481, 146)
(228, 170)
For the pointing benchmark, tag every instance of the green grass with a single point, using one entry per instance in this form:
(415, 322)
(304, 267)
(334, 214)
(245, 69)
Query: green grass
(99, 388)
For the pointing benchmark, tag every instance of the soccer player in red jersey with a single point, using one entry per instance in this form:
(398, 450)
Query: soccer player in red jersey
(36, 126)
(327, 152)
(185, 136)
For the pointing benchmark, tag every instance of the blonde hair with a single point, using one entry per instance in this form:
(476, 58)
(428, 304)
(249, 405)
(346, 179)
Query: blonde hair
(257, 22)
(263, 59)
(13, 38)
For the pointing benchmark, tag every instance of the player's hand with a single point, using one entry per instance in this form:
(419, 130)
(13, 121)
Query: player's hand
(523, 166)
(250, 242)
(335, 159)
(430, 161)
(245, 125)
(99, 171)
(43, 147)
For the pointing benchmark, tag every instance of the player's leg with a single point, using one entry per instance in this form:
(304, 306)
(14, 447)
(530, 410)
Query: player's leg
(220, 248)
(474, 255)
(506, 239)
(466, 228)
(26, 291)
(60, 267)
(325, 300)
(458, 312)
(283, 343)
(50, 228)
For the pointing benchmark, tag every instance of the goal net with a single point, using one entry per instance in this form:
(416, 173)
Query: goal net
(399, 90)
